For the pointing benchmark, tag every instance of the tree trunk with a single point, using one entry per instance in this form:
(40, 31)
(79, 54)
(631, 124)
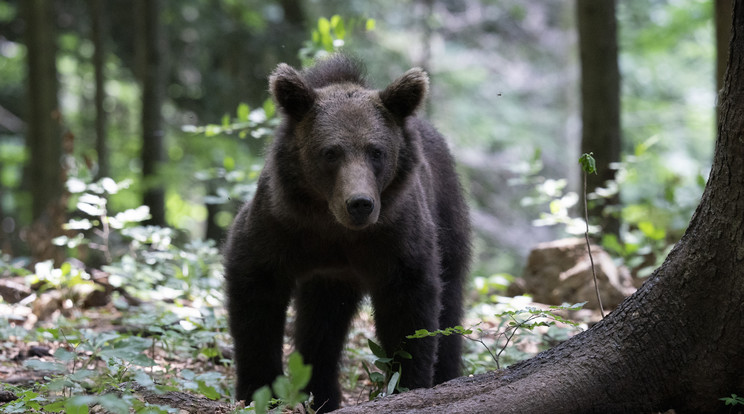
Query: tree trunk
(722, 12)
(44, 175)
(43, 137)
(151, 70)
(97, 24)
(600, 99)
(677, 343)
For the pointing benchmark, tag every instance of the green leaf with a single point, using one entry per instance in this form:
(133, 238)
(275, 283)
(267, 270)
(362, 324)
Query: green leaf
(403, 354)
(394, 379)
(261, 398)
(324, 29)
(114, 403)
(420, 333)
(212, 130)
(555, 207)
(64, 355)
(324, 26)
(40, 365)
(55, 407)
(383, 364)
(650, 231)
(82, 374)
(78, 404)
(299, 373)
(226, 121)
(376, 349)
(588, 165)
(243, 112)
(376, 377)
(229, 163)
(208, 391)
(370, 25)
(337, 23)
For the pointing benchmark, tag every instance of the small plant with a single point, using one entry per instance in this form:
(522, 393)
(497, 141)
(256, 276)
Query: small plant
(386, 382)
(512, 321)
(92, 205)
(588, 166)
(288, 388)
(733, 400)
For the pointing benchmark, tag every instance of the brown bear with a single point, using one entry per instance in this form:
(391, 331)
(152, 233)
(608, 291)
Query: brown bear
(357, 196)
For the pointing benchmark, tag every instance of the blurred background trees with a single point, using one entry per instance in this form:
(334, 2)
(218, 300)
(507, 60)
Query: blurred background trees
(96, 88)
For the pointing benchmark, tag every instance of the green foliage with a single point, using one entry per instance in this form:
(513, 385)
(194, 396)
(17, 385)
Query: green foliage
(512, 322)
(486, 287)
(72, 386)
(259, 123)
(144, 261)
(387, 381)
(288, 388)
(12, 158)
(552, 192)
(588, 164)
(650, 224)
(733, 400)
(331, 35)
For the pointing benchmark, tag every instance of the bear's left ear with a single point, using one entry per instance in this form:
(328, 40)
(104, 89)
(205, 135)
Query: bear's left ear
(291, 91)
(405, 94)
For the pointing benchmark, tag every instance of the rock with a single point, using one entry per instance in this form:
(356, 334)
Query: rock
(560, 272)
(13, 290)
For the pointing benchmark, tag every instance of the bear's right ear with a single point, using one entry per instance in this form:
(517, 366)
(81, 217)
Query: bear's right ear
(291, 92)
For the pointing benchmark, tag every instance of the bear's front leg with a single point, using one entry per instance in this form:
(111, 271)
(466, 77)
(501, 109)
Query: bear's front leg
(410, 301)
(257, 306)
(324, 309)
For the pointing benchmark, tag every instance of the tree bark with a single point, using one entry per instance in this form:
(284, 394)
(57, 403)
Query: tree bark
(600, 99)
(43, 137)
(152, 49)
(723, 9)
(677, 343)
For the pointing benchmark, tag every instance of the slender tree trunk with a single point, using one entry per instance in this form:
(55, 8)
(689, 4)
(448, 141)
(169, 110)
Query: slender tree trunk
(44, 174)
(600, 98)
(43, 134)
(152, 48)
(97, 25)
(677, 343)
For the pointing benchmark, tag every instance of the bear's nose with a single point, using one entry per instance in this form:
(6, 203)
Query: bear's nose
(360, 207)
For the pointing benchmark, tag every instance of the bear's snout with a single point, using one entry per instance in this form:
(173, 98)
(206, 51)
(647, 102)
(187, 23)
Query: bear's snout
(359, 208)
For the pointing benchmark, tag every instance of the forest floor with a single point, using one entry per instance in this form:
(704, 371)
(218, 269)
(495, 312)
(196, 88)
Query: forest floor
(59, 350)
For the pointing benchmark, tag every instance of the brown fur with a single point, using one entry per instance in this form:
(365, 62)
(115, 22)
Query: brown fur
(357, 197)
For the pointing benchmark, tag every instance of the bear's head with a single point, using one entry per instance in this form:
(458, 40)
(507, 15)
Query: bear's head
(348, 139)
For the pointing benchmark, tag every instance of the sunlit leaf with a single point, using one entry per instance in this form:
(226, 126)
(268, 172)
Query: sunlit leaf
(243, 111)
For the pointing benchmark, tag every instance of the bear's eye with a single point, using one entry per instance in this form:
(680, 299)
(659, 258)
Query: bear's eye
(375, 154)
(330, 154)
